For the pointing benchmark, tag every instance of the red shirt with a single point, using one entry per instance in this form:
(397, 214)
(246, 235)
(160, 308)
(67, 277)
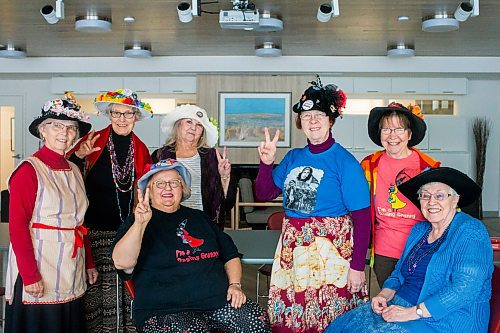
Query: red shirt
(23, 186)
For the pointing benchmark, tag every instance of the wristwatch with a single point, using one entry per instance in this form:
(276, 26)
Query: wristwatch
(420, 312)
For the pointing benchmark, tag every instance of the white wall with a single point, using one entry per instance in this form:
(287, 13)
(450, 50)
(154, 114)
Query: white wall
(481, 99)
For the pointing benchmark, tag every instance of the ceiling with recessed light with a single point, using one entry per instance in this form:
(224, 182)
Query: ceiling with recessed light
(364, 28)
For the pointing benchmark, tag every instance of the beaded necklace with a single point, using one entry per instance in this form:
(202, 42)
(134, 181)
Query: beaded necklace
(414, 258)
(122, 176)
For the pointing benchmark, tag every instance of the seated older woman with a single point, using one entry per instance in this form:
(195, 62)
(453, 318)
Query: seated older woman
(442, 282)
(187, 273)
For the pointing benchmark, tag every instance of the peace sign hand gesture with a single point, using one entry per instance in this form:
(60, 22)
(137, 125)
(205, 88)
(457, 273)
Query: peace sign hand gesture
(224, 164)
(143, 211)
(267, 149)
(87, 147)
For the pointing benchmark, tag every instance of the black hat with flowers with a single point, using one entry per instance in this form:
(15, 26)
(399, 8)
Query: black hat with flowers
(412, 112)
(329, 99)
(62, 109)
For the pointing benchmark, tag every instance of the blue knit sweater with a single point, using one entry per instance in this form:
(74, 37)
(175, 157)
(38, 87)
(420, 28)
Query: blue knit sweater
(457, 285)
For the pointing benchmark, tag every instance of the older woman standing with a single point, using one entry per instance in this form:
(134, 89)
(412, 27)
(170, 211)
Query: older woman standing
(187, 273)
(397, 129)
(191, 136)
(49, 257)
(442, 282)
(318, 270)
(112, 160)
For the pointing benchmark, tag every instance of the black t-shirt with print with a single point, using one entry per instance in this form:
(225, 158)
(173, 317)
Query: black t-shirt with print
(181, 264)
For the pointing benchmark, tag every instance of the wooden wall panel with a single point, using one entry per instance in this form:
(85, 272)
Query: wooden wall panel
(209, 86)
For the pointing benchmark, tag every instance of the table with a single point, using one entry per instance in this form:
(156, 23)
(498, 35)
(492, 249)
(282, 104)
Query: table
(257, 246)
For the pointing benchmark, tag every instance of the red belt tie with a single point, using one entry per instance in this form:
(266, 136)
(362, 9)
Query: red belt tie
(80, 231)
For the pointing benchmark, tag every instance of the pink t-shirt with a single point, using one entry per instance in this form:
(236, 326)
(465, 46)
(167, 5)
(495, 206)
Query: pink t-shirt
(395, 214)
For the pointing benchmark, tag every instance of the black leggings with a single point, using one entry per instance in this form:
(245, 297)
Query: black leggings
(249, 318)
(383, 267)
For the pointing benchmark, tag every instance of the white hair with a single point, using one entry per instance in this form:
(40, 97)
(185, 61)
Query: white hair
(451, 191)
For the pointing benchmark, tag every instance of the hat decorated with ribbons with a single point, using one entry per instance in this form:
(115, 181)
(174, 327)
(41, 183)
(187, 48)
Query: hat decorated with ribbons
(123, 97)
(412, 112)
(64, 108)
(329, 99)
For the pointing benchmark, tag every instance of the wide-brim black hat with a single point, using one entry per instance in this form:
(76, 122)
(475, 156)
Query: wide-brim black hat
(417, 123)
(62, 109)
(468, 190)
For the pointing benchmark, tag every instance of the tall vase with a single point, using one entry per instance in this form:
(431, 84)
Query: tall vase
(481, 127)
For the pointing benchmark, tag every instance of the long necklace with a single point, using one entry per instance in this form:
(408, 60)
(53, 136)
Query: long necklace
(414, 257)
(122, 176)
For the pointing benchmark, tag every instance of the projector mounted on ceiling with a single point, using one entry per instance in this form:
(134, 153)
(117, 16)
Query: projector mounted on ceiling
(243, 16)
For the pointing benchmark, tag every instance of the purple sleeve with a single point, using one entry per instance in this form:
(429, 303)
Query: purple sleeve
(265, 189)
(361, 220)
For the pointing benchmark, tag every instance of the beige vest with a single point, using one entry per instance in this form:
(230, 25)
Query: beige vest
(61, 202)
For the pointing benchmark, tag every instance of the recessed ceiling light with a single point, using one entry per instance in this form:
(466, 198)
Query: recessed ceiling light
(12, 53)
(129, 19)
(403, 18)
(400, 50)
(268, 49)
(440, 23)
(137, 51)
(92, 23)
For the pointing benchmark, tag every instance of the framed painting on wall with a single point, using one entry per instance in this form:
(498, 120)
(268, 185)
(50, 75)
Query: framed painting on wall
(243, 116)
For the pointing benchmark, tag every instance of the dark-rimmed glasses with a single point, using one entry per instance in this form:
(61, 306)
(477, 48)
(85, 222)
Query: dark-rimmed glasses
(126, 115)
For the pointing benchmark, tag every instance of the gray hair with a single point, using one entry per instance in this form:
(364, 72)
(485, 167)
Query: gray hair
(202, 142)
(109, 108)
(49, 120)
(186, 190)
(451, 191)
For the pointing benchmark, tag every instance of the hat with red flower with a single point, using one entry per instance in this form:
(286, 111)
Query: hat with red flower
(329, 99)
(412, 112)
(123, 97)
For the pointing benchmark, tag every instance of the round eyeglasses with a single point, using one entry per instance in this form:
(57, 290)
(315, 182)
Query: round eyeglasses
(162, 184)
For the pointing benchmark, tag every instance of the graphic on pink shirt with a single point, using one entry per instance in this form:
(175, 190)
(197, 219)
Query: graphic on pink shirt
(396, 203)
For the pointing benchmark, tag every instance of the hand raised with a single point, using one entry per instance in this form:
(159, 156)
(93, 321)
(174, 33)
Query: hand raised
(87, 147)
(223, 163)
(267, 149)
(143, 211)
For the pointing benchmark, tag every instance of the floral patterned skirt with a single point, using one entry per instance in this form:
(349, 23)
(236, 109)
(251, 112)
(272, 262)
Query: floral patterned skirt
(308, 288)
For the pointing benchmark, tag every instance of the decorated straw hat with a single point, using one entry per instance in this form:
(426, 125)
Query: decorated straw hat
(466, 188)
(191, 112)
(124, 97)
(65, 108)
(164, 165)
(412, 112)
(329, 99)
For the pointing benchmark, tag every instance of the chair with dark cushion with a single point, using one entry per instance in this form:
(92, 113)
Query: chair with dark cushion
(274, 222)
(256, 217)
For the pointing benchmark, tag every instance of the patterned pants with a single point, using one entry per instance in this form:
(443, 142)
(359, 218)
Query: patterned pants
(250, 318)
(100, 298)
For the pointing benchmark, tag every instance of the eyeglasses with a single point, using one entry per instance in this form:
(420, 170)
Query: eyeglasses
(438, 196)
(398, 131)
(118, 114)
(61, 127)
(162, 184)
(310, 116)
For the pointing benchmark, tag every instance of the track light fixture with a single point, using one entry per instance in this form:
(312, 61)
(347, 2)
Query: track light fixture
(53, 15)
(328, 10)
(186, 10)
(467, 9)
